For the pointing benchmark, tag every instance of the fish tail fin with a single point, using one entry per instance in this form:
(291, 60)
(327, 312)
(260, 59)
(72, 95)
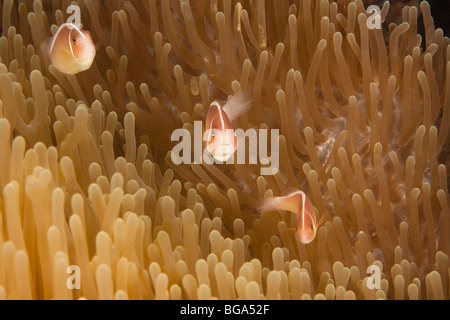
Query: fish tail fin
(291, 202)
(45, 46)
(239, 104)
(268, 204)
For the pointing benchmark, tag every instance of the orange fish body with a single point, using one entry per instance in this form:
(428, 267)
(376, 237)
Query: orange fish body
(299, 203)
(71, 49)
(221, 139)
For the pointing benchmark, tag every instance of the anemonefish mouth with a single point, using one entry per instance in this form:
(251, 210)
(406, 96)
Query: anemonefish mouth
(305, 237)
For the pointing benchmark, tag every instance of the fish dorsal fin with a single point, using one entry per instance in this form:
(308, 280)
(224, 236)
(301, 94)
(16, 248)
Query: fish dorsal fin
(238, 104)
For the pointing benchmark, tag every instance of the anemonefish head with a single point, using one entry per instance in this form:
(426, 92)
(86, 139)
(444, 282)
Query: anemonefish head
(221, 140)
(307, 232)
(71, 49)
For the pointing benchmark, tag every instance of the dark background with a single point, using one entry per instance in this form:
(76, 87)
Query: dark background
(440, 11)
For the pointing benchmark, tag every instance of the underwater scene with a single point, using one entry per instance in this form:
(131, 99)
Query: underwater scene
(224, 149)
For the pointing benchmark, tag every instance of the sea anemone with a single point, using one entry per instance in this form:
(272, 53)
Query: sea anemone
(87, 180)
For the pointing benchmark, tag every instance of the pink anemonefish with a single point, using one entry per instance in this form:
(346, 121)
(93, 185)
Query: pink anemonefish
(221, 138)
(296, 202)
(71, 49)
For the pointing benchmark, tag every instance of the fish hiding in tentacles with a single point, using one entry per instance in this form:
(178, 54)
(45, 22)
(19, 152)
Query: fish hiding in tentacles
(221, 138)
(71, 49)
(296, 202)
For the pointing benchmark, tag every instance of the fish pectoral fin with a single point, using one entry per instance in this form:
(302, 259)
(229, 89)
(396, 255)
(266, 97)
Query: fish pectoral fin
(324, 218)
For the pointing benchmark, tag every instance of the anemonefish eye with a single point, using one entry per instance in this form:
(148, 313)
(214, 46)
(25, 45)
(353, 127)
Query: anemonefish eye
(213, 132)
(74, 40)
(311, 227)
